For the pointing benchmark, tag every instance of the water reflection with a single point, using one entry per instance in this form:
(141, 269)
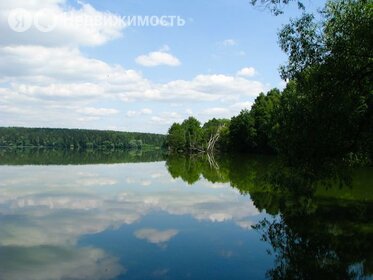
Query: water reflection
(331, 242)
(36, 156)
(193, 219)
(323, 227)
(54, 215)
(52, 262)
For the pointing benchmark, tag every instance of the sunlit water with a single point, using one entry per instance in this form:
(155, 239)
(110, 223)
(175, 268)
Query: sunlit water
(127, 221)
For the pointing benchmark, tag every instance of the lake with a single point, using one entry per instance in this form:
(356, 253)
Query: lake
(141, 215)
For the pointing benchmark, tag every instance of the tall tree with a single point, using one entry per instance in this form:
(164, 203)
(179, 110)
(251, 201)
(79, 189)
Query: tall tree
(263, 114)
(326, 114)
(242, 132)
(176, 137)
(193, 134)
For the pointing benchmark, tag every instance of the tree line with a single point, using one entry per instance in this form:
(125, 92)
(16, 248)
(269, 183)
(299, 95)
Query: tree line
(325, 112)
(77, 138)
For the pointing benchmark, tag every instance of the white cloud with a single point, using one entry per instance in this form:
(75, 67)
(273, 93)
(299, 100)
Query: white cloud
(97, 111)
(51, 94)
(156, 236)
(34, 4)
(210, 88)
(146, 183)
(229, 42)
(43, 65)
(167, 118)
(247, 72)
(161, 57)
(54, 263)
(220, 217)
(47, 81)
(242, 105)
(82, 25)
(96, 181)
(92, 210)
(133, 113)
(56, 210)
(245, 224)
(216, 112)
(54, 91)
(146, 111)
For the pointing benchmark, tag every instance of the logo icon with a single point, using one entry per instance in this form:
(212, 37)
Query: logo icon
(45, 21)
(20, 20)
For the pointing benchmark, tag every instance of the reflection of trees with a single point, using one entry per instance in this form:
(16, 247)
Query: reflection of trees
(62, 157)
(191, 167)
(328, 241)
(186, 167)
(240, 171)
(313, 236)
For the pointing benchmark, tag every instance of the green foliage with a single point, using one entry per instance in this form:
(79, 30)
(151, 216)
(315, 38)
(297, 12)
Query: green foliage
(242, 131)
(176, 137)
(263, 113)
(276, 6)
(269, 175)
(252, 131)
(242, 172)
(77, 138)
(193, 134)
(191, 137)
(215, 127)
(302, 41)
(325, 114)
(184, 167)
(321, 229)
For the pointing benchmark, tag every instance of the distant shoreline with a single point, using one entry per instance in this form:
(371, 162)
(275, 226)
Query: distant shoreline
(61, 138)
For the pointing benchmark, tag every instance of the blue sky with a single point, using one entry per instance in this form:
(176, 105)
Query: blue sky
(136, 78)
(199, 43)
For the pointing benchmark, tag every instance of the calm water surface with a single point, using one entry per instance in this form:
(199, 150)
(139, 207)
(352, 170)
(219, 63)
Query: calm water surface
(176, 219)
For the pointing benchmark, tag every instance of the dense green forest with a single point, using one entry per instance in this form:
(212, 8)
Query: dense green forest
(77, 139)
(324, 114)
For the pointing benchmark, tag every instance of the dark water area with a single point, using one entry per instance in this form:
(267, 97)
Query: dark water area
(145, 215)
